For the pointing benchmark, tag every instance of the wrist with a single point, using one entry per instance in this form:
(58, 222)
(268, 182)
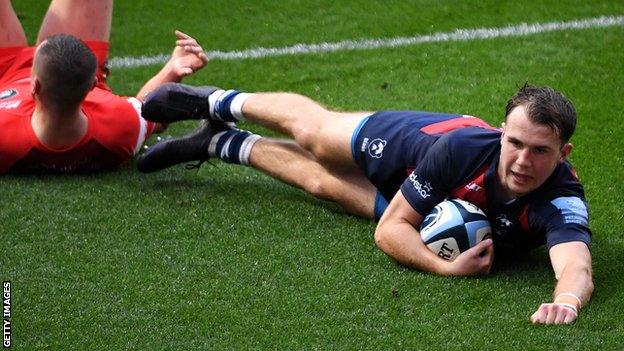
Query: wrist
(168, 73)
(571, 299)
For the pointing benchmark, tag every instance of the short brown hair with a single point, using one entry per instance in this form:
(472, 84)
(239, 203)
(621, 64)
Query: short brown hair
(66, 69)
(546, 106)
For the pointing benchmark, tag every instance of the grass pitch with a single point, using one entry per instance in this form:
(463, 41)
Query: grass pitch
(227, 258)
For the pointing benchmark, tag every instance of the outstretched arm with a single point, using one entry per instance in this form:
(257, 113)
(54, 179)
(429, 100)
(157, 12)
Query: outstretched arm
(571, 262)
(396, 235)
(187, 58)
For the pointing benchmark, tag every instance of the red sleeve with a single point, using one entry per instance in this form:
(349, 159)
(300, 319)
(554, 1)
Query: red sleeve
(117, 122)
(15, 61)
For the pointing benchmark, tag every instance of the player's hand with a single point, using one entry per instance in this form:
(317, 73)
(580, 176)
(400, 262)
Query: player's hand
(475, 261)
(188, 56)
(554, 313)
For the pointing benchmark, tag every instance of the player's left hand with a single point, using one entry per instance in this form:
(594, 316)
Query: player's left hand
(554, 313)
(188, 56)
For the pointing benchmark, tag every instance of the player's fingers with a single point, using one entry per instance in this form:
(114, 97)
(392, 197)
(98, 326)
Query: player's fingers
(482, 247)
(569, 318)
(193, 49)
(202, 55)
(487, 243)
(185, 71)
(540, 315)
(537, 317)
(182, 35)
(560, 316)
(551, 315)
(186, 42)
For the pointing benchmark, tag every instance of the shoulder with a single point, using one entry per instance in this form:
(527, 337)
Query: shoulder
(117, 122)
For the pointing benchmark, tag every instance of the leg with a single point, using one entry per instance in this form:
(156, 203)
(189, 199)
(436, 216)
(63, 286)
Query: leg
(12, 33)
(326, 134)
(286, 161)
(84, 19)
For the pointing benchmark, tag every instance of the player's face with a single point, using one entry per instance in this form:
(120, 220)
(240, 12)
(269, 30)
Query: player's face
(529, 154)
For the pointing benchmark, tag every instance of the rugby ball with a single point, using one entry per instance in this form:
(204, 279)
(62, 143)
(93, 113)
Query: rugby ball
(453, 227)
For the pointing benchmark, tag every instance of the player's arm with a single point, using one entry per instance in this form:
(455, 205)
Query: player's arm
(187, 57)
(396, 235)
(571, 263)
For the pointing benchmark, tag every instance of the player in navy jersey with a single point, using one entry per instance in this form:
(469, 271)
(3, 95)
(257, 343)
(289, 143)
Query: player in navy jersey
(517, 174)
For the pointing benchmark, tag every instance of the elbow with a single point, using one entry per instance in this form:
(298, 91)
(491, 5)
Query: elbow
(382, 239)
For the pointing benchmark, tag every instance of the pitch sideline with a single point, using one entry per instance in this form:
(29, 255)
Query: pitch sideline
(367, 44)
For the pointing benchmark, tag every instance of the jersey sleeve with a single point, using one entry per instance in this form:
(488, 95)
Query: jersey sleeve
(429, 183)
(146, 128)
(563, 219)
(118, 122)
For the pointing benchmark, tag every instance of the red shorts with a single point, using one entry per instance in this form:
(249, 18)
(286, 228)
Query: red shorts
(16, 62)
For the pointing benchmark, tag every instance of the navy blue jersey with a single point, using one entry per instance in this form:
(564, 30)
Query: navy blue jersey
(431, 157)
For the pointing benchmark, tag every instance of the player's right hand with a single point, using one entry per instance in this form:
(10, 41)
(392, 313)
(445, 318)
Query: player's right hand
(475, 261)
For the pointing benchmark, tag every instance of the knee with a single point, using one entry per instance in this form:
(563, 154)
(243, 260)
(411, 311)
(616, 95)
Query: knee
(316, 187)
(307, 136)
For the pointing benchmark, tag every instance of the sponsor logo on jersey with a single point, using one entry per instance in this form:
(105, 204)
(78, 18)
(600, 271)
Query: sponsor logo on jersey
(364, 144)
(8, 93)
(376, 148)
(572, 209)
(7, 105)
(423, 188)
(502, 225)
(472, 186)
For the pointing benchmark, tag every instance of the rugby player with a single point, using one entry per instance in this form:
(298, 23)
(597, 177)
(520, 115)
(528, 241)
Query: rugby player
(517, 174)
(56, 112)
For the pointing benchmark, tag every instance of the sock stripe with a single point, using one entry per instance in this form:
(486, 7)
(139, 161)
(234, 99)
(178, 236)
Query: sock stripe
(223, 145)
(232, 146)
(246, 147)
(212, 146)
(236, 106)
(222, 106)
(212, 101)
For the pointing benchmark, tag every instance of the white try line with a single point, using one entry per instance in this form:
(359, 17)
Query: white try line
(366, 44)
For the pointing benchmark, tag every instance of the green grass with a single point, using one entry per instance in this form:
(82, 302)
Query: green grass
(227, 258)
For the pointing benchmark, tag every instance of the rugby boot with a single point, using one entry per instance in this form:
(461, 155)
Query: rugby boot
(189, 148)
(173, 102)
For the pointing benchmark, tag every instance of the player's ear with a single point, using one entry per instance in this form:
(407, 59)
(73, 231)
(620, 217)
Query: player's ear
(565, 151)
(502, 129)
(35, 86)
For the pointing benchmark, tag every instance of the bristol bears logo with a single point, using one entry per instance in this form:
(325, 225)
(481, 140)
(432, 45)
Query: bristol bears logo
(376, 147)
(8, 93)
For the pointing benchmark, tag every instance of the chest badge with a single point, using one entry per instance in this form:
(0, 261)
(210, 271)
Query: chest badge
(376, 147)
(8, 93)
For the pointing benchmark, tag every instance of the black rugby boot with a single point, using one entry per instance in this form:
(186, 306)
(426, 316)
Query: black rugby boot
(173, 102)
(189, 148)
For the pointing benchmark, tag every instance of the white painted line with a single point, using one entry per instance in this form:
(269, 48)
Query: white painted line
(366, 44)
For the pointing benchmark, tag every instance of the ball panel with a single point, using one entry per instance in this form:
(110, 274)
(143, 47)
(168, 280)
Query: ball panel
(443, 217)
(453, 227)
(477, 230)
(446, 248)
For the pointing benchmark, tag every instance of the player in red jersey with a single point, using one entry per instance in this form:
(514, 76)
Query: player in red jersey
(56, 112)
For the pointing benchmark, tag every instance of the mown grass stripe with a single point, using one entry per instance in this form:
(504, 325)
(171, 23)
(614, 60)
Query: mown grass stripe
(367, 44)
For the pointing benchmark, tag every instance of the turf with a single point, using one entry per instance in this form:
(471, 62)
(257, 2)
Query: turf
(227, 258)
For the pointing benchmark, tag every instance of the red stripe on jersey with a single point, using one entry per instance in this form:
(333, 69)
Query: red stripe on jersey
(455, 123)
(524, 218)
(574, 174)
(474, 190)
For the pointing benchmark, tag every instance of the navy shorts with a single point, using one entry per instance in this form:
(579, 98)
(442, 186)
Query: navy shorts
(388, 144)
